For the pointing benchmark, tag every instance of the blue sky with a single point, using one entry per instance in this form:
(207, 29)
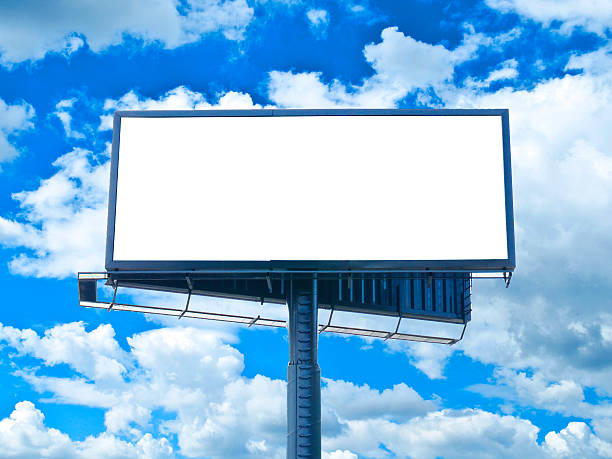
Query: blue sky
(533, 376)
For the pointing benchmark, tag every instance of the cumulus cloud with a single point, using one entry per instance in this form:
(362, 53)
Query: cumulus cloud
(401, 63)
(215, 411)
(179, 98)
(318, 20)
(317, 17)
(196, 377)
(63, 113)
(576, 440)
(29, 31)
(13, 120)
(431, 360)
(94, 354)
(24, 435)
(62, 224)
(183, 371)
(447, 433)
(340, 454)
(507, 70)
(563, 396)
(399, 403)
(562, 170)
(595, 16)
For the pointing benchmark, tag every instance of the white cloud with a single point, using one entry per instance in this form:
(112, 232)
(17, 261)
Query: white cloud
(594, 63)
(13, 120)
(402, 65)
(63, 113)
(184, 371)
(340, 454)
(363, 11)
(317, 17)
(593, 15)
(306, 90)
(447, 433)
(506, 71)
(195, 376)
(94, 354)
(319, 20)
(179, 98)
(62, 224)
(539, 393)
(24, 435)
(562, 170)
(576, 440)
(30, 31)
(399, 403)
(26, 423)
(563, 396)
(431, 360)
(214, 411)
(403, 62)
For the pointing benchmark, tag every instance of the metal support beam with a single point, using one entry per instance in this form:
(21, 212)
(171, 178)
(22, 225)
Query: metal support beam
(303, 373)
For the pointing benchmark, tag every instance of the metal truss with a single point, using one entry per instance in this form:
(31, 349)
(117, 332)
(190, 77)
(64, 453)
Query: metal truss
(88, 298)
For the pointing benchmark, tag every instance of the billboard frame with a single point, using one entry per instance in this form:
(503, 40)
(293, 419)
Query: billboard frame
(339, 266)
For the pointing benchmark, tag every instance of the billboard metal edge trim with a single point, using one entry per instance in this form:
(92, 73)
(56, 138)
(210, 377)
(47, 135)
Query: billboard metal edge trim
(112, 192)
(505, 119)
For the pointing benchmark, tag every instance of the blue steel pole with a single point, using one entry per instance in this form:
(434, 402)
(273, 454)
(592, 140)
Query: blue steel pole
(303, 373)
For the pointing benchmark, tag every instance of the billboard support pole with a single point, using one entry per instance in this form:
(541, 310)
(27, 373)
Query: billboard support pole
(303, 373)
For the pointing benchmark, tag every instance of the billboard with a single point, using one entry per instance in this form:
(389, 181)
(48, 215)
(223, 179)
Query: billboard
(339, 190)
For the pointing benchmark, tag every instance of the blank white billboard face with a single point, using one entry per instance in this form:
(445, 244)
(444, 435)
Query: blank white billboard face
(261, 188)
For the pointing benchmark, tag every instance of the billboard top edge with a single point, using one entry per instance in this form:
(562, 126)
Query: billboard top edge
(316, 112)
